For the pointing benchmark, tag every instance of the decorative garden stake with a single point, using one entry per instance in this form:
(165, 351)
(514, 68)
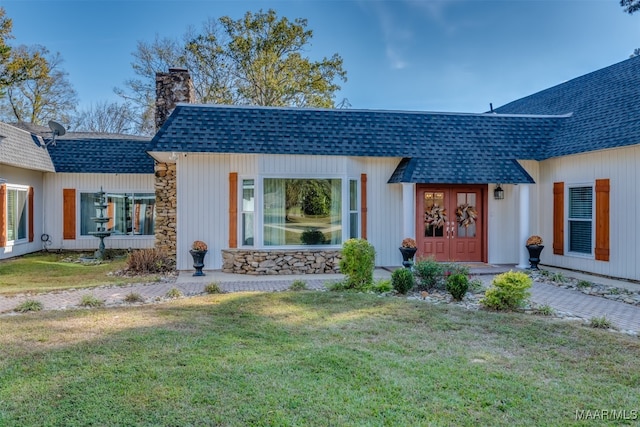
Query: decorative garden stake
(198, 251)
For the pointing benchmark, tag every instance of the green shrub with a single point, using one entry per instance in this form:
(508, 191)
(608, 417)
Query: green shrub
(600, 323)
(173, 293)
(148, 261)
(312, 237)
(381, 286)
(508, 291)
(298, 285)
(402, 280)
(452, 268)
(558, 277)
(457, 286)
(213, 288)
(91, 301)
(133, 297)
(29, 305)
(429, 274)
(357, 263)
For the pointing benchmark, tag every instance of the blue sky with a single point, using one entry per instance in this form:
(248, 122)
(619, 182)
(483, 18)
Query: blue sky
(429, 55)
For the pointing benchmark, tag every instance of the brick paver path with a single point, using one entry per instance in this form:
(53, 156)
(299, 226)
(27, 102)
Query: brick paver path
(624, 316)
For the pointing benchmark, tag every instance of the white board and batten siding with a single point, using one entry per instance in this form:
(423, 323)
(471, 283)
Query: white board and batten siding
(503, 244)
(203, 197)
(24, 178)
(620, 166)
(91, 183)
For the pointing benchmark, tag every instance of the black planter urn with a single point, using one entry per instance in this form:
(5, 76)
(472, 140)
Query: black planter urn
(198, 261)
(534, 255)
(407, 256)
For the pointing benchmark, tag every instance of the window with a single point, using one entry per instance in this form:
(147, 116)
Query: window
(16, 214)
(353, 209)
(302, 212)
(248, 209)
(128, 213)
(580, 220)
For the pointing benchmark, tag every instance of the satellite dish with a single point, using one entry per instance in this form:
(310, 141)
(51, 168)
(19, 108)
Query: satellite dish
(56, 130)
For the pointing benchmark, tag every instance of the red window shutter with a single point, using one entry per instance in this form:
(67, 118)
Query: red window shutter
(233, 210)
(602, 220)
(558, 218)
(68, 213)
(3, 215)
(363, 206)
(30, 197)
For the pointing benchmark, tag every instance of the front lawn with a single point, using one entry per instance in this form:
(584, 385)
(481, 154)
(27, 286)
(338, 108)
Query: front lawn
(312, 359)
(48, 271)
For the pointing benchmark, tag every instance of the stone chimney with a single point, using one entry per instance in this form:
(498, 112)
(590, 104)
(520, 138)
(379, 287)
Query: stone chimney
(172, 88)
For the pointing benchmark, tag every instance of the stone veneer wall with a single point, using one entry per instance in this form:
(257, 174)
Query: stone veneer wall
(258, 262)
(165, 227)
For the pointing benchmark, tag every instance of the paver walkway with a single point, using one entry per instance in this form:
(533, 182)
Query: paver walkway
(573, 303)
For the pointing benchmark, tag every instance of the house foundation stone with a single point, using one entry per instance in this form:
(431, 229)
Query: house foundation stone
(281, 262)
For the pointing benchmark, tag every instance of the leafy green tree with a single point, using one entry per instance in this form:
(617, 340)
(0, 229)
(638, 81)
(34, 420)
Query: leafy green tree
(17, 66)
(44, 93)
(256, 60)
(630, 6)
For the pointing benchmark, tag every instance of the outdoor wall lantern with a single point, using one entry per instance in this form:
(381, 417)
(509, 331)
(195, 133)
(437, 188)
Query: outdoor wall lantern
(498, 193)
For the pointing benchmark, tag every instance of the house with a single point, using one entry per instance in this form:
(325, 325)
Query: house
(278, 190)
(47, 190)
(23, 165)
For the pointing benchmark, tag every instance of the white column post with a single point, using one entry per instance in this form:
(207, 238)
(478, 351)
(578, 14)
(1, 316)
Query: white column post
(523, 195)
(408, 210)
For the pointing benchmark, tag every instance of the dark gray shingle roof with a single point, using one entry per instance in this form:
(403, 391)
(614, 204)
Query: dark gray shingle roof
(454, 139)
(605, 108)
(470, 171)
(87, 152)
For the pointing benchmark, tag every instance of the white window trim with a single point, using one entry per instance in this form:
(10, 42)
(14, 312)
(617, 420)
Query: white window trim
(19, 188)
(257, 186)
(258, 221)
(358, 208)
(567, 236)
(80, 236)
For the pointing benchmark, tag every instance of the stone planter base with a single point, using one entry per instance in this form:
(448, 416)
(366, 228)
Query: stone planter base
(280, 262)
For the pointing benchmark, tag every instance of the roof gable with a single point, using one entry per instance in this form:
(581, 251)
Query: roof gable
(604, 107)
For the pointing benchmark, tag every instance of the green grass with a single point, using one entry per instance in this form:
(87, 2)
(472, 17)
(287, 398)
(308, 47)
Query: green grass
(45, 272)
(308, 358)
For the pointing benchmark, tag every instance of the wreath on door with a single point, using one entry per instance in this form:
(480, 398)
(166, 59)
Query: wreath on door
(436, 216)
(466, 215)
